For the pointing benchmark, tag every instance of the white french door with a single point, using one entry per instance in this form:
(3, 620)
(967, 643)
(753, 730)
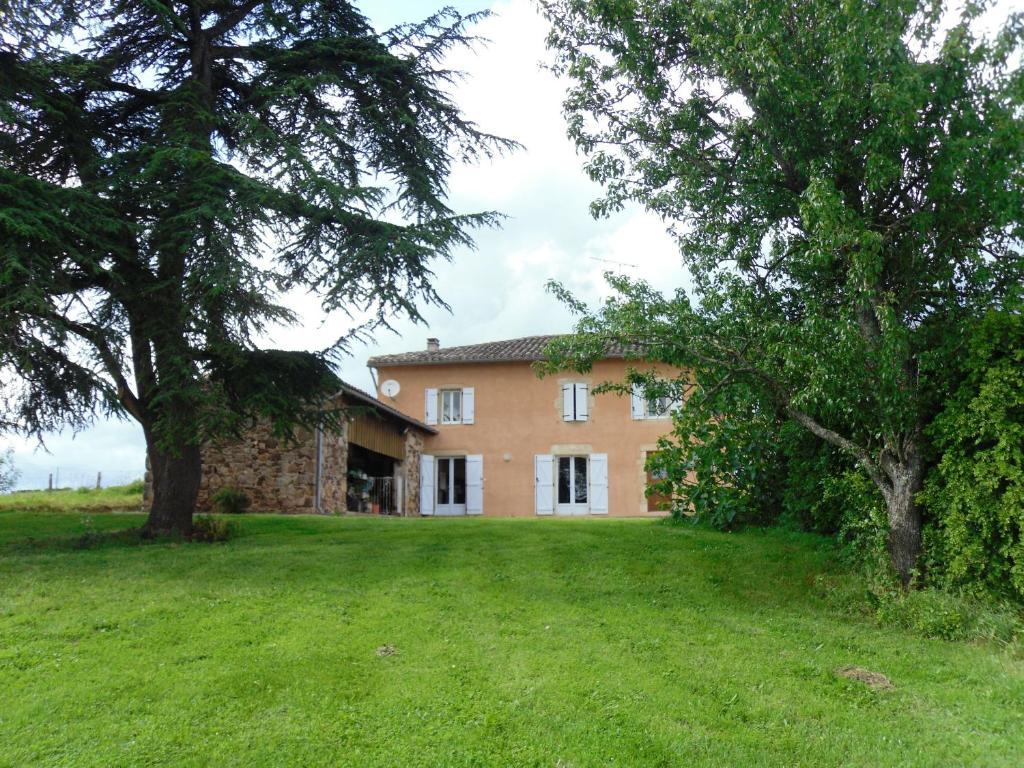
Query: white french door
(451, 485)
(573, 486)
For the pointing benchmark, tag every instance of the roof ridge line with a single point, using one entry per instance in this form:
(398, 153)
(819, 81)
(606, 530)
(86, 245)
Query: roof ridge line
(520, 349)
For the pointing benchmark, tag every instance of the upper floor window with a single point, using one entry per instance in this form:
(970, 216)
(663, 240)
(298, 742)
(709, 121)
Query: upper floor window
(575, 405)
(656, 407)
(449, 406)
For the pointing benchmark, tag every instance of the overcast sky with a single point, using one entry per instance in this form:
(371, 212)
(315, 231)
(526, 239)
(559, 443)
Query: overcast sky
(495, 292)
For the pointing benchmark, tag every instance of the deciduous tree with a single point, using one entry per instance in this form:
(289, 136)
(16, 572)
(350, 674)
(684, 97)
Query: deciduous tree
(846, 183)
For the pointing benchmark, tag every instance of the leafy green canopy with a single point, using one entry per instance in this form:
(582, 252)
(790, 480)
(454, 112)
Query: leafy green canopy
(977, 488)
(846, 183)
(169, 169)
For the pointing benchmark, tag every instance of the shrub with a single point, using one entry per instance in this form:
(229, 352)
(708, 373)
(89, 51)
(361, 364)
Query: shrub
(230, 501)
(976, 493)
(721, 460)
(134, 487)
(928, 612)
(820, 490)
(863, 522)
(948, 616)
(211, 529)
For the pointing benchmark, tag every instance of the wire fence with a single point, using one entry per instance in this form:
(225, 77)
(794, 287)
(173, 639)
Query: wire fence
(41, 479)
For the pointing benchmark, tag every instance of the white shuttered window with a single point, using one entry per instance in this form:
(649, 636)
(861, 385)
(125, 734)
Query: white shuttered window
(449, 406)
(643, 407)
(575, 406)
(430, 406)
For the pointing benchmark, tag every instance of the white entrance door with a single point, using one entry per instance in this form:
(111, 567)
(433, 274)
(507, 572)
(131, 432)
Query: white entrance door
(572, 486)
(451, 485)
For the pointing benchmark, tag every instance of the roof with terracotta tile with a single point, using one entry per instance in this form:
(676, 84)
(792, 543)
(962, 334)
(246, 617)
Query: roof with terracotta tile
(525, 349)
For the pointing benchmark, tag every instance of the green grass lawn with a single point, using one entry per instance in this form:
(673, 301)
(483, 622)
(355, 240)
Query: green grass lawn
(384, 642)
(115, 499)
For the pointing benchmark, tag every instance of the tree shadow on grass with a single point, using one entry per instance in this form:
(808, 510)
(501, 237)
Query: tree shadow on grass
(206, 530)
(89, 539)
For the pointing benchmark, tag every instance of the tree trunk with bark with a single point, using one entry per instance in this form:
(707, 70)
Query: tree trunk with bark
(905, 476)
(176, 477)
(899, 474)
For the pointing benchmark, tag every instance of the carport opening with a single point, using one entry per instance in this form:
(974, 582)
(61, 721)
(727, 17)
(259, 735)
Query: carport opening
(371, 481)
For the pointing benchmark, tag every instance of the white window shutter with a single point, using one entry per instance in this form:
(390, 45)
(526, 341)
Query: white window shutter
(599, 483)
(636, 399)
(474, 485)
(426, 484)
(568, 410)
(430, 406)
(468, 405)
(582, 403)
(544, 484)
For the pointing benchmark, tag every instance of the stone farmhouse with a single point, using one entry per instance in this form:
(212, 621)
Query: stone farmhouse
(467, 430)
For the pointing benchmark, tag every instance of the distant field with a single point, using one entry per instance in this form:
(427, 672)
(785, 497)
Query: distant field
(114, 499)
(388, 642)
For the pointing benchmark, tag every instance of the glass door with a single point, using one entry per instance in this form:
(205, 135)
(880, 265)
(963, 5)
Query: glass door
(451, 485)
(572, 485)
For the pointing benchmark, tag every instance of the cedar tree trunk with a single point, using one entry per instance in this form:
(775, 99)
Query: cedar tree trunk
(176, 479)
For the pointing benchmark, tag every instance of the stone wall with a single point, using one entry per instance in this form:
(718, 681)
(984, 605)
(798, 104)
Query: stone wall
(334, 472)
(410, 471)
(276, 475)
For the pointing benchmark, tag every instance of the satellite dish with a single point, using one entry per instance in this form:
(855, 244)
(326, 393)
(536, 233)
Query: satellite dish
(390, 387)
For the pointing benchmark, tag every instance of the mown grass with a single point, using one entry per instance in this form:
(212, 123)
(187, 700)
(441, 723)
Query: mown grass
(384, 642)
(114, 499)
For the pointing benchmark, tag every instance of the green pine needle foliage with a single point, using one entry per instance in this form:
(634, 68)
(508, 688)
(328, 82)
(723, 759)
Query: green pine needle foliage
(169, 171)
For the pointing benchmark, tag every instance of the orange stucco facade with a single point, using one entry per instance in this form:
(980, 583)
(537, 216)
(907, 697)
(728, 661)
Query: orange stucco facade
(518, 417)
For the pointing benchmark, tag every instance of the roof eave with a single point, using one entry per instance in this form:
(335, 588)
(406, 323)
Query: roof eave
(368, 399)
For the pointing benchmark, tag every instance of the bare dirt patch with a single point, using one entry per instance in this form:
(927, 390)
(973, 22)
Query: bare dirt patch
(874, 680)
